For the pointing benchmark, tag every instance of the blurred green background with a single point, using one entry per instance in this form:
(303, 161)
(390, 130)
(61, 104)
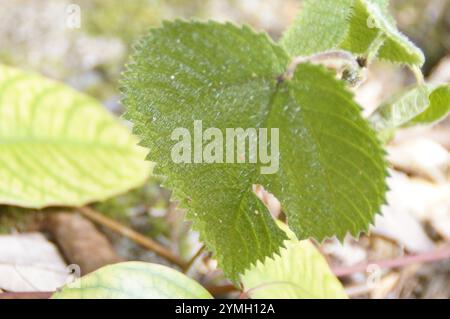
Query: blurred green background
(33, 34)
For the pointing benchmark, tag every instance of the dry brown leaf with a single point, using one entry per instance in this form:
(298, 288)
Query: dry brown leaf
(80, 241)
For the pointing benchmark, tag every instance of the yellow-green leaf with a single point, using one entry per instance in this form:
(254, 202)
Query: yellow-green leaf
(134, 280)
(438, 107)
(397, 47)
(320, 26)
(298, 272)
(423, 104)
(61, 147)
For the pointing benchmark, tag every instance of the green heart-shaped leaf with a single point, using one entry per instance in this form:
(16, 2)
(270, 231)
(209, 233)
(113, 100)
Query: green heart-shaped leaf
(330, 177)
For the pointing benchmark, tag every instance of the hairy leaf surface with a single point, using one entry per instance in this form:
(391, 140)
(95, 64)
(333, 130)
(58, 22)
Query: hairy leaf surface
(60, 147)
(134, 280)
(438, 107)
(331, 172)
(363, 27)
(320, 26)
(397, 47)
(423, 104)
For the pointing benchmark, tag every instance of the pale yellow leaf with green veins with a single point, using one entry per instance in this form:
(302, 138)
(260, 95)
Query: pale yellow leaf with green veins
(60, 147)
(298, 272)
(134, 280)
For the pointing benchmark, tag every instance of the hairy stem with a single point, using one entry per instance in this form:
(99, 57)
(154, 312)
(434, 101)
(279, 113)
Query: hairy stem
(418, 74)
(335, 59)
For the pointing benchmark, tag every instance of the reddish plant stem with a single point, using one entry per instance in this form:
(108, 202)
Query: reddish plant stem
(435, 255)
(26, 295)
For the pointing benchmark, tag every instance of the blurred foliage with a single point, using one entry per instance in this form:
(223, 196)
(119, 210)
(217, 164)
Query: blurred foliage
(128, 20)
(143, 208)
(188, 8)
(14, 218)
(116, 18)
(427, 23)
(119, 20)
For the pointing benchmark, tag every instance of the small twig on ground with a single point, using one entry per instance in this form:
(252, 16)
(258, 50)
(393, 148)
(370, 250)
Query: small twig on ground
(133, 235)
(193, 259)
